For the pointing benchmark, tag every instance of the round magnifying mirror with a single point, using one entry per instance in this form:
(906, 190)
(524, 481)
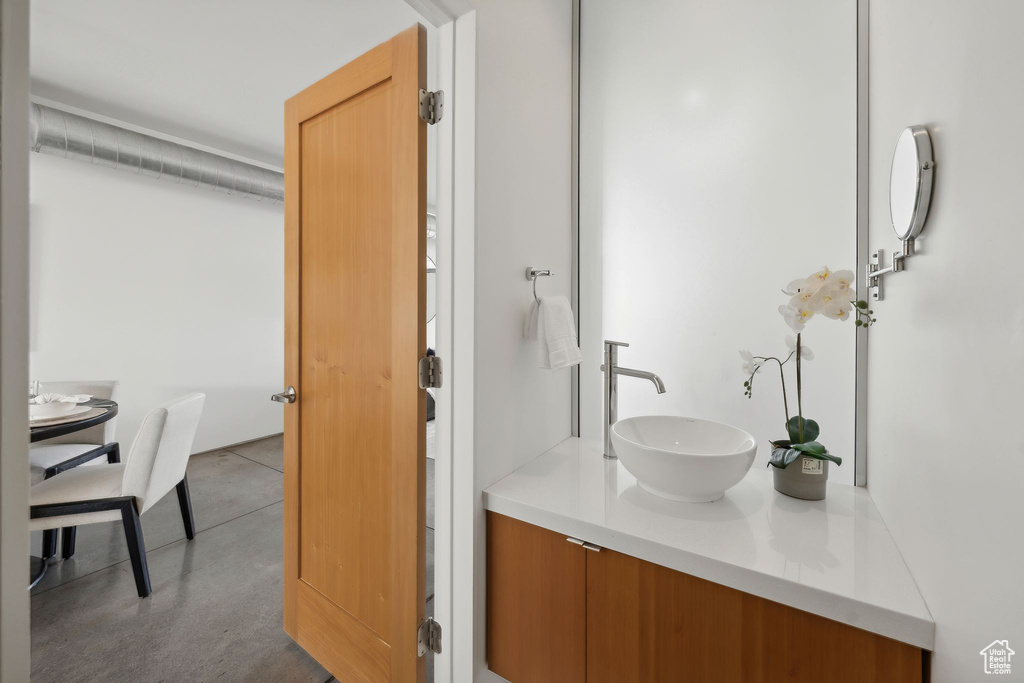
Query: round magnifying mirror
(431, 289)
(910, 182)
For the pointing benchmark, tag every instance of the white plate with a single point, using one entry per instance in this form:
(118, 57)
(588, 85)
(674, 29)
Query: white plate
(77, 410)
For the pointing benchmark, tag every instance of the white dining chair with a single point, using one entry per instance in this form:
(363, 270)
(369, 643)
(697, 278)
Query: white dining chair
(85, 447)
(60, 453)
(124, 491)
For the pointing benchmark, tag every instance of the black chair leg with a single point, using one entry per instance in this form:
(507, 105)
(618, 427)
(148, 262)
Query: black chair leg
(185, 503)
(115, 453)
(136, 547)
(67, 541)
(49, 535)
(49, 543)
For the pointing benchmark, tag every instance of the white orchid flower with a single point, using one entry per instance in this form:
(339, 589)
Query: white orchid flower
(845, 283)
(797, 286)
(831, 302)
(805, 350)
(804, 288)
(827, 297)
(796, 317)
(837, 309)
(750, 366)
(826, 292)
(805, 299)
(823, 276)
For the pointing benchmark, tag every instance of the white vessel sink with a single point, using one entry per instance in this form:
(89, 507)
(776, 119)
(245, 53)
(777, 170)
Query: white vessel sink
(681, 458)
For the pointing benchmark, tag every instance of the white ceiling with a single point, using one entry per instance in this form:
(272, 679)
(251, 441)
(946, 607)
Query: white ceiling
(216, 72)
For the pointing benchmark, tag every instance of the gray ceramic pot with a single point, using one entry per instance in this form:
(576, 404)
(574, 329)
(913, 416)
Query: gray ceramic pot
(803, 478)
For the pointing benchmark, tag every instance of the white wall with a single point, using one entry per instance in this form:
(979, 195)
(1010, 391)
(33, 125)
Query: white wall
(717, 164)
(523, 188)
(152, 64)
(945, 452)
(167, 288)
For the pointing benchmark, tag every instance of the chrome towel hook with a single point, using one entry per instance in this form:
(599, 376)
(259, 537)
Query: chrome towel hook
(532, 274)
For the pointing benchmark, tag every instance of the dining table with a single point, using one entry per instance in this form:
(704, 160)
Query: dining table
(100, 411)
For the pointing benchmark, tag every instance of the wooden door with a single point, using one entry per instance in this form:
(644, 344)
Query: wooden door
(355, 282)
(536, 604)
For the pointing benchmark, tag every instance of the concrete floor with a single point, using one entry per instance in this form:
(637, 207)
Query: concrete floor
(215, 612)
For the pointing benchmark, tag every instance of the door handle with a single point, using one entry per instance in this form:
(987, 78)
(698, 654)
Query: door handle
(286, 396)
(586, 544)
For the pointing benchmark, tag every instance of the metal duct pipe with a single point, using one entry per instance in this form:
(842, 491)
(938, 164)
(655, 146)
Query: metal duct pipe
(61, 134)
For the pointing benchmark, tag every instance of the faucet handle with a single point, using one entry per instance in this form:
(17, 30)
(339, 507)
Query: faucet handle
(611, 352)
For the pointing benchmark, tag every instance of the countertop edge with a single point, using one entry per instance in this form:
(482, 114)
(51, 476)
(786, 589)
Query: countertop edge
(866, 616)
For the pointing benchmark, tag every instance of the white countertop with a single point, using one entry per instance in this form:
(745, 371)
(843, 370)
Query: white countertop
(834, 558)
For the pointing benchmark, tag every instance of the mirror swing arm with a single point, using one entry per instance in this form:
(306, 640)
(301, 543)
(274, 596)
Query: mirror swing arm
(908, 202)
(875, 271)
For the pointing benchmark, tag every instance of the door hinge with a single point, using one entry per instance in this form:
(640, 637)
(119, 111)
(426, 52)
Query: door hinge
(430, 372)
(428, 638)
(431, 105)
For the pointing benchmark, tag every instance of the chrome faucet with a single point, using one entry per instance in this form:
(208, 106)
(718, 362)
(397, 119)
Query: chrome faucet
(611, 371)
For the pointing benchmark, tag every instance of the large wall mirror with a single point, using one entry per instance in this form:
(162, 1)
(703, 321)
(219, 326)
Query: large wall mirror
(718, 163)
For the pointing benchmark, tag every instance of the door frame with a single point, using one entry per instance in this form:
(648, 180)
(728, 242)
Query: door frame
(14, 546)
(456, 22)
(14, 652)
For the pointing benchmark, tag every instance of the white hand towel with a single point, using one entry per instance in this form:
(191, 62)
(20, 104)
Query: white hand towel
(551, 323)
(532, 326)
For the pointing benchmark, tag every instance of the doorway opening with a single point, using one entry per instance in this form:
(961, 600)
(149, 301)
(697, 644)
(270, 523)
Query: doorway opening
(167, 289)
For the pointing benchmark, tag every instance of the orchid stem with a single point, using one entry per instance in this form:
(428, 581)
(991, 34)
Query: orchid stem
(799, 392)
(785, 402)
(782, 376)
(781, 362)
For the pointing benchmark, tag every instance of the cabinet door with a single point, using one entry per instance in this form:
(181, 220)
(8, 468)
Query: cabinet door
(536, 603)
(648, 623)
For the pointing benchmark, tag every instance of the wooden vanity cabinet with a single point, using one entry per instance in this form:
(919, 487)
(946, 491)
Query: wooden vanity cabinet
(536, 603)
(649, 623)
(640, 622)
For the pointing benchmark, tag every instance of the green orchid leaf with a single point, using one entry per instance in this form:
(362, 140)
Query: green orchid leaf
(782, 457)
(810, 431)
(811, 448)
(828, 456)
